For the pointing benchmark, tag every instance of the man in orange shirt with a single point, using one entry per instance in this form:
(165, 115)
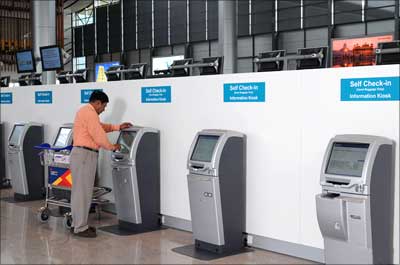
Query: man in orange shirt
(89, 136)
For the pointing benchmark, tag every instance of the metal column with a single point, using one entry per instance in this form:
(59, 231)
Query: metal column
(227, 35)
(44, 32)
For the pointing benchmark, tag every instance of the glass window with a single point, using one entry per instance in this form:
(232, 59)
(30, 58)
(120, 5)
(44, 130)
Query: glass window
(105, 2)
(83, 17)
(79, 63)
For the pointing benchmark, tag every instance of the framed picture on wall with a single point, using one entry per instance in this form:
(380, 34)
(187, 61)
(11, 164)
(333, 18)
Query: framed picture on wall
(360, 51)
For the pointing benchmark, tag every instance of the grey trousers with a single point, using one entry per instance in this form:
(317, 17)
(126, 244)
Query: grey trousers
(83, 165)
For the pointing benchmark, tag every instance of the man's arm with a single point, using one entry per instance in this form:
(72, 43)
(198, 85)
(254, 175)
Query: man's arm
(110, 127)
(98, 133)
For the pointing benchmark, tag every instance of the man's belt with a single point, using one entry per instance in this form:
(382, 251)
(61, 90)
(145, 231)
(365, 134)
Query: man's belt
(87, 148)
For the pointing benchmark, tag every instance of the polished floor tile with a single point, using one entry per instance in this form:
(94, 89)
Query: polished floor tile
(25, 240)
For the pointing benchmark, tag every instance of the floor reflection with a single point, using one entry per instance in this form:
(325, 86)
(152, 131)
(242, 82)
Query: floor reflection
(25, 240)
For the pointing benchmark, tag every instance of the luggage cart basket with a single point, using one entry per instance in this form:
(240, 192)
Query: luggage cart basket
(58, 186)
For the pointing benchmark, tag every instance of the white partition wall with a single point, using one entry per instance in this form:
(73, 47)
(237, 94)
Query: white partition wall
(286, 136)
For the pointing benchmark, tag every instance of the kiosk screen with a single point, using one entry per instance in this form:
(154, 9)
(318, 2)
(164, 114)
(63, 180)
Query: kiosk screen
(347, 159)
(17, 130)
(62, 137)
(125, 140)
(204, 148)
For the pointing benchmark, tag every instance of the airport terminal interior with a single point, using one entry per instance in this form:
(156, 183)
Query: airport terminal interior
(244, 131)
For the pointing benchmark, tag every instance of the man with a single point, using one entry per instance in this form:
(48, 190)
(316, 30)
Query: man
(89, 136)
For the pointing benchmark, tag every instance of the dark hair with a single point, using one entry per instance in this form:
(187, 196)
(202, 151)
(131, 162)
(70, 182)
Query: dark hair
(98, 95)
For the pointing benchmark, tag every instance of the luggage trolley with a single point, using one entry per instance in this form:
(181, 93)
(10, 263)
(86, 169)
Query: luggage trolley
(58, 179)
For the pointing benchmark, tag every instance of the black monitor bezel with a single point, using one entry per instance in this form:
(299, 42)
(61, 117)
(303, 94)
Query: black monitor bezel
(60, 55)
(33, 62)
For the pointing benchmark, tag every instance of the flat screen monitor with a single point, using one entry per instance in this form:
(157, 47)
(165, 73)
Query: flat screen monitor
(216, 69)
(51, 58)
(360, 51)
(181, 71)
(347, 159)
(204, 148)
(101, 68)
(25, 61)
(15, 134)
(138, 71)
(312, 63)
(163, 63)
(125, 139)
(389, 58)
(4, 81)
(271, 66)
(62, 137)
(114, 76)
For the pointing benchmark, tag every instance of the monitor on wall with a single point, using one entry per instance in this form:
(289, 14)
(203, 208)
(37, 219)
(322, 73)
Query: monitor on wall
(388, 58)
(51, 58)
(359, 51)
(163, 63)
(101, 68)
(25, 61)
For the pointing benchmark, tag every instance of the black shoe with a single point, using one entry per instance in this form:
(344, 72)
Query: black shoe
(89, 233)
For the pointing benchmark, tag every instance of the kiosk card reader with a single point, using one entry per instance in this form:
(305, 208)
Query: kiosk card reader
(25, 170)
(355, 208)
(216, 180)
(136, 181)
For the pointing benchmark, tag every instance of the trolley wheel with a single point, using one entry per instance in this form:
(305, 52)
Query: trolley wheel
(67, 220)
(44, 214)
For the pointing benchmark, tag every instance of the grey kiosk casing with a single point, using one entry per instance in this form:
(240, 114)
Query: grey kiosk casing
(355, 208)
(136, 181)
(26, 171)
(216, 181)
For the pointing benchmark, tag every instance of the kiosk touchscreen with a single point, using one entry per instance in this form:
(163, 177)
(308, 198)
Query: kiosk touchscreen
(216, 181)
(25, 170)
(355, 208)
(64, 136)
(136, 181)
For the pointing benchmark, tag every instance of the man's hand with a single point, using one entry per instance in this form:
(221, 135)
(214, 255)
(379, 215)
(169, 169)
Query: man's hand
(116, 147)
(125, 125)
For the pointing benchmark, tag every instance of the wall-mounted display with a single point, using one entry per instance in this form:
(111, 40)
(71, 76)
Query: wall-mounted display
(356, 51)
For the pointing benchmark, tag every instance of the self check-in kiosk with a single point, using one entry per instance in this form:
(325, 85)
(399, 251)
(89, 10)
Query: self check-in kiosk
(25, 170)
(136, 181)
(216, 180)
(355, 208)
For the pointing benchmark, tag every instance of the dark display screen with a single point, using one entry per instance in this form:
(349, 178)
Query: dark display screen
(126, 140)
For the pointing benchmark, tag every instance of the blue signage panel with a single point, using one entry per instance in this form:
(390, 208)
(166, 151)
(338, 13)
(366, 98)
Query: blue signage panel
(43, 97)
(244, 92)
(6, 98)
(156, 94)
(86, 93)
(370, 89)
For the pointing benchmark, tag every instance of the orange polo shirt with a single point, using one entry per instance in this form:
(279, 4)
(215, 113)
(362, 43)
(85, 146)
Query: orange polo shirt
(89, 131)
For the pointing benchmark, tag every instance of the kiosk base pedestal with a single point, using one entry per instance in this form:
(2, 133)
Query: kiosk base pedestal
(124, 230)
(192, 251)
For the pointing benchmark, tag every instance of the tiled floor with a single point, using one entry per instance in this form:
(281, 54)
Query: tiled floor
(24, 240)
